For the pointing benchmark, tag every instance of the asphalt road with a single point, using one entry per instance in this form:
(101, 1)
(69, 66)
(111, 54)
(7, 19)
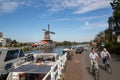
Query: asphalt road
(115, 64)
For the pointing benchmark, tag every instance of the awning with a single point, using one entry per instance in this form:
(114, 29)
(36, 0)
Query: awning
(32, 68)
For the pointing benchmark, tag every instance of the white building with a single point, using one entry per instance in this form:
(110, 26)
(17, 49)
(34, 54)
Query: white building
(4, 41)
(1, 39)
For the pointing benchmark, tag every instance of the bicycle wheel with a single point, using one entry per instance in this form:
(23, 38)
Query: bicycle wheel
(109, 69)
(96, 75)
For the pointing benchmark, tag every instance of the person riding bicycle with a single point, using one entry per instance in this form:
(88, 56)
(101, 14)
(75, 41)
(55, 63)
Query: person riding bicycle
(93, 58)
(105, 55)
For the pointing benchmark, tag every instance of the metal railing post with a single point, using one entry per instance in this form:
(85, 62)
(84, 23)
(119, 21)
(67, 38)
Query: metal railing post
(52, 74)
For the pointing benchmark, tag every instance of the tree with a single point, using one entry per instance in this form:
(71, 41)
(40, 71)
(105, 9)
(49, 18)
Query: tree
(116, 15)
(14, 42)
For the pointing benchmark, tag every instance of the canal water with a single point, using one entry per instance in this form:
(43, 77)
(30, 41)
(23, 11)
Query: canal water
(58, 50)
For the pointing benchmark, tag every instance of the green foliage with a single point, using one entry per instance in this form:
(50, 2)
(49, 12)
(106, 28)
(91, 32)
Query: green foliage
(113, 47)
(0, 44)
(25, 49)
(116, 50)
(109, 46)
(116, 16)
(14, 42)
(65, 43)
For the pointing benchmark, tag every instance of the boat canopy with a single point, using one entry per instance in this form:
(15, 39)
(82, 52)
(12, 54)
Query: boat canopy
(32, 68)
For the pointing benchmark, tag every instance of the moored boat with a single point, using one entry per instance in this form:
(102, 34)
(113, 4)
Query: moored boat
(45, 66)
(9, 56)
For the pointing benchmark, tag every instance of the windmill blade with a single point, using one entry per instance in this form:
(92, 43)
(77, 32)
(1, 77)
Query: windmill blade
(52, 32)
(48, 27)
(44, 29)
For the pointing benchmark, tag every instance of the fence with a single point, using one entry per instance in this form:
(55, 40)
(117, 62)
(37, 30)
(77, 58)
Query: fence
(57, 70)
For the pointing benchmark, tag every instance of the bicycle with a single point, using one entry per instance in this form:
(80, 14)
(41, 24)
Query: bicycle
(69, 55)
(107, 66)
(95, 71)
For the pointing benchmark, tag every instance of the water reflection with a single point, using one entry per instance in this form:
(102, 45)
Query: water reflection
(58, 50)
(48, 50)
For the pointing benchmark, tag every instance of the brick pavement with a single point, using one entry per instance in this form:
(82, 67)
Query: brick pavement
(73, 70)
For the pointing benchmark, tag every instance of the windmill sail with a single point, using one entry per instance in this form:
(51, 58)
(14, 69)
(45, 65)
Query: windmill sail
(47, 33)
(47, 42)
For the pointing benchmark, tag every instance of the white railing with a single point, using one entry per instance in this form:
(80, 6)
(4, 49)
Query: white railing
(57, 70)
(9, 77)
(12, 76)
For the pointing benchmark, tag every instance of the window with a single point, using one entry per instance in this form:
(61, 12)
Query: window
(8, 66)
(21, 54)
(11, 54)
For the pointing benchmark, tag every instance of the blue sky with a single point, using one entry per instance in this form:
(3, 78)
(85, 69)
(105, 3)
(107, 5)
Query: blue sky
(71, 20)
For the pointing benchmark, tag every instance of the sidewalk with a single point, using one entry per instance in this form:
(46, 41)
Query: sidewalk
(73, 71)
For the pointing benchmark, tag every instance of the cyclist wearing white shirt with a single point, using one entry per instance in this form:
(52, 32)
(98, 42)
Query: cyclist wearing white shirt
(93, 57)
(105, 55)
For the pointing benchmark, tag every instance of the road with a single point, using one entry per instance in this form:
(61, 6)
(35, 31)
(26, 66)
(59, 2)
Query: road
(85, 64)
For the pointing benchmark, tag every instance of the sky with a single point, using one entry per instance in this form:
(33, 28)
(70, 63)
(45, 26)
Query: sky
(71, 20)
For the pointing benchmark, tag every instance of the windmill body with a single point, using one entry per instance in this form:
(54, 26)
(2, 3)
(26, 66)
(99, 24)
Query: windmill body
(47, 42)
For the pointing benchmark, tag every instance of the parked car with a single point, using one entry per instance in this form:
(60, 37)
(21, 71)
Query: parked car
(79, 50)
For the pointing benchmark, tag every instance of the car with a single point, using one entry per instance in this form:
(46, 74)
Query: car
(79, 50)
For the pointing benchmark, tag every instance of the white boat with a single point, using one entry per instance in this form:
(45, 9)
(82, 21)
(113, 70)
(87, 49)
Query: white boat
(9, 56)
(46, 66)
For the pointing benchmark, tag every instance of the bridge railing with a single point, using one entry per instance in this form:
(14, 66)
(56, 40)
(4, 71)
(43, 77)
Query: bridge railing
(57, 70)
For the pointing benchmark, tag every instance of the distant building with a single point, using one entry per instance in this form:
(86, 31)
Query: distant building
(1, 40)
(6, 41)
(1, 35)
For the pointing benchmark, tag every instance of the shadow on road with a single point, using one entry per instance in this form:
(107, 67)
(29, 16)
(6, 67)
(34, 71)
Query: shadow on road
(103, 68)
(88, 69)
(116, 57)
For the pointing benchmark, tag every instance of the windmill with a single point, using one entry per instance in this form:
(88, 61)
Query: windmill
(47, 33)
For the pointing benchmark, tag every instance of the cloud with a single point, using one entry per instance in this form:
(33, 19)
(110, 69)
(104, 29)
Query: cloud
(63, 19)
(94, 26)
(94, 17)
(83, 18)
(93, 5)
(79, 6)
(8, 6)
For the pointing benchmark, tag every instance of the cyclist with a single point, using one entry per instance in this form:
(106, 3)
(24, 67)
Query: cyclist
(105, 55)
(93, 57)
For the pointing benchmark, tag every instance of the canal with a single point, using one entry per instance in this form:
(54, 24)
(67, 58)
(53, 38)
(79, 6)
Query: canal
(58, 50)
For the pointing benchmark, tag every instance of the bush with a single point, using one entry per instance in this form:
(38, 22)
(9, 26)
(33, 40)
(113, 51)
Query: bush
(113, 47)
(109, 46)
(116, 50)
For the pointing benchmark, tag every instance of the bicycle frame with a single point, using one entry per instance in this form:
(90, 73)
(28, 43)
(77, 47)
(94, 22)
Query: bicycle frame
(106, 62)
(93, 65)
(95, 72)
(108, 67)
